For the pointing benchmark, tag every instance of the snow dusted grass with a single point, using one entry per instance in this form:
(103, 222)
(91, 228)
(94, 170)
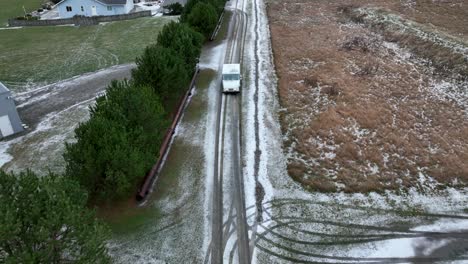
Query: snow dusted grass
(364, 114)
(353, 227)
(41, 150)
(308, 227)
(170, 226)
(35, 56)
(449, 54)
(52, 113)
(5, 157)
(174, 225)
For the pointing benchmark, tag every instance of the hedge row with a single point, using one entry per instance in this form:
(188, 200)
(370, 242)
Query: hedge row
(120, 142)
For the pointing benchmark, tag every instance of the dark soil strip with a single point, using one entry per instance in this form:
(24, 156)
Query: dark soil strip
(259, 190)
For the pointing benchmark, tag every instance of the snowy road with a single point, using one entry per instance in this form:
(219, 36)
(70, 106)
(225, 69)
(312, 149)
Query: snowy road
(228, 203)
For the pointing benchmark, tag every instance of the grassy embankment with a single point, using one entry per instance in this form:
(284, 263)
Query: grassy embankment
(126, 219)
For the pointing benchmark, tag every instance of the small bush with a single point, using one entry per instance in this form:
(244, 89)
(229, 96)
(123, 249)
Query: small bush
(27, 18)
(346, 9)
(368, 69)
(357, 42)
(296, 170)
(311, 81)
(174, 9)
(331, 90)
(348, 13)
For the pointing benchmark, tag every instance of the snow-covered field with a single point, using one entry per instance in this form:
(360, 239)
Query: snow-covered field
(52, 112)
(300, 226)
(41, 150)
(372, 101)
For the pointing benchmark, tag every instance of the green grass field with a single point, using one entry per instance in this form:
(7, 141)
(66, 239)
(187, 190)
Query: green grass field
(40, 55)
(10, 9)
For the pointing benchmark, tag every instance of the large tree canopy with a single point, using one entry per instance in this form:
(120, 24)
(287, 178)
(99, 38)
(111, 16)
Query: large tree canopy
(45, 220)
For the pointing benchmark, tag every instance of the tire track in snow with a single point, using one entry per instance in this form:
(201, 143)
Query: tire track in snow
(300, 245)
(259, 190)
(286, 233)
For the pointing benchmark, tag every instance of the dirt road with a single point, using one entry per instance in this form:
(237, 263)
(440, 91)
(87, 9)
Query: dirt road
(34, 105)
(227, 178)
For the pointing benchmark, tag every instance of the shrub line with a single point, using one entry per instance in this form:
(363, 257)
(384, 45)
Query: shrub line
(153, 174)
(116, 151)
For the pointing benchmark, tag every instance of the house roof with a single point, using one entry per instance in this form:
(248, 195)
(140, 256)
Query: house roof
(105, 2)
(3, 88)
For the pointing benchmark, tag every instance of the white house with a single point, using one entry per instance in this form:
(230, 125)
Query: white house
(71, 8)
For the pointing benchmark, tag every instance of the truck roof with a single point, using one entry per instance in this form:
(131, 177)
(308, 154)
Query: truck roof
(231, 68)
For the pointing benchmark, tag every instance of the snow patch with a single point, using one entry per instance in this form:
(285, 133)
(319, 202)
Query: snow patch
(5, 157)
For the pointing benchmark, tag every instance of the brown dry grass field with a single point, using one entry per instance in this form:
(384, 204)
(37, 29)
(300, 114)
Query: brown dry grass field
(374, 92)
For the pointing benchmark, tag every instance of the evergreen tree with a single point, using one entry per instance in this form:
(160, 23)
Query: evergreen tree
(203, 18)
(119, 143)
(187, 10)
(45, 220)
(217, 4)
(162, 69)
(185, 41)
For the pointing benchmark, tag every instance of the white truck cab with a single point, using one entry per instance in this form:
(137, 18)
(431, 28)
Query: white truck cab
(231, 78)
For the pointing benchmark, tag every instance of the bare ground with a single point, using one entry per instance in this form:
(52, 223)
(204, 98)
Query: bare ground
(374, 93)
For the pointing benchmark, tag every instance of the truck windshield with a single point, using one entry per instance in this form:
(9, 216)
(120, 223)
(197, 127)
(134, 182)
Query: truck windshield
(230, 77)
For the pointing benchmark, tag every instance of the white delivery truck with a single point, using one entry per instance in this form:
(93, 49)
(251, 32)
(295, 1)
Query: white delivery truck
(231, 78)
